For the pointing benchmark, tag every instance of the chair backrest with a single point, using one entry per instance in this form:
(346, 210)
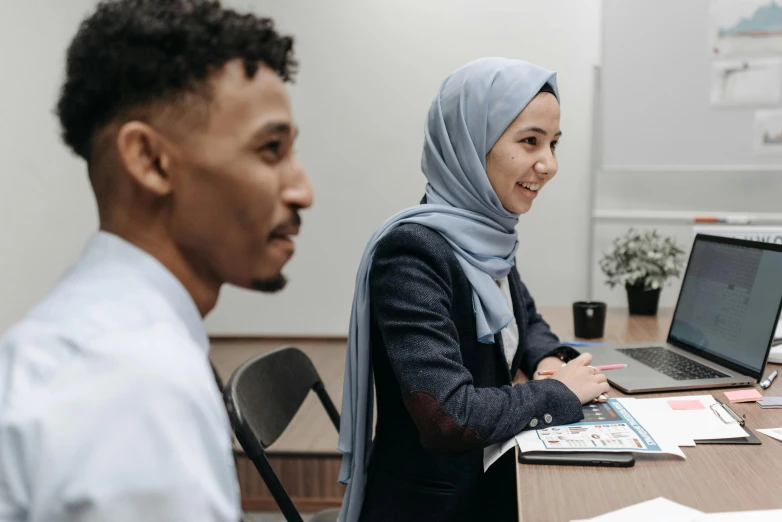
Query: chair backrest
(267, 391)
(262, 396)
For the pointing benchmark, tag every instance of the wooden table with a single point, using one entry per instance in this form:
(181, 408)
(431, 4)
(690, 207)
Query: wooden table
(713, 478)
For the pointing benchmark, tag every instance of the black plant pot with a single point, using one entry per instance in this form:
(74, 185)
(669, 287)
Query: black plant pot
(642, 301)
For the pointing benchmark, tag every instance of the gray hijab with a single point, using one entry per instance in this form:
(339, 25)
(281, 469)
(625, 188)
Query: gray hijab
(472, 109)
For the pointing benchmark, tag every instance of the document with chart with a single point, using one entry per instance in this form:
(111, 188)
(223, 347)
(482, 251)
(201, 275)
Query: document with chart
(608, 426)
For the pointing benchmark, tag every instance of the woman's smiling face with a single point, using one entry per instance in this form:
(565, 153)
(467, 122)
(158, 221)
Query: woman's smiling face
(524, 158)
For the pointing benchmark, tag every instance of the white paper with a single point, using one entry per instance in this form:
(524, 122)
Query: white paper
(690, 424)
(659, 416)
(746, 82)
(740, 516)
(772, 432)
(775, 355)
(669, 428)
(768, 132)
(613, 431)
(492, 453)
(669, 511)
(649, 511)
(746, 27)
(600, 436)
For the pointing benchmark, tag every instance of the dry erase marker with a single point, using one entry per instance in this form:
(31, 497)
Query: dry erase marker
(731, 220)
(601, 368)
(768, 380)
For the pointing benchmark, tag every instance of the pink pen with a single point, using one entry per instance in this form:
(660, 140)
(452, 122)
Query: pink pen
(601, 368)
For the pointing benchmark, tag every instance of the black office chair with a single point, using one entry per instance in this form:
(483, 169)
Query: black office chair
(262, 396)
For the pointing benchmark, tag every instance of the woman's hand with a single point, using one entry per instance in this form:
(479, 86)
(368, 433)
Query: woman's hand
(587, 382)
(547, 363)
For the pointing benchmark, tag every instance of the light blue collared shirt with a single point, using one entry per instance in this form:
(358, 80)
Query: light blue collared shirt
(108, 406)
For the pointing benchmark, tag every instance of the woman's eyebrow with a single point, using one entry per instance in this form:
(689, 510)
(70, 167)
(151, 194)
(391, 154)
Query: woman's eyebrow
(539, 131)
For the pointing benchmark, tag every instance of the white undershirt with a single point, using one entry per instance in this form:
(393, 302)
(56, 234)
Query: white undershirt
(510, 334)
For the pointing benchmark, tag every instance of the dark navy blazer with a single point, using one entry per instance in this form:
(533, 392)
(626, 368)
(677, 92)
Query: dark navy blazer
(442, 396)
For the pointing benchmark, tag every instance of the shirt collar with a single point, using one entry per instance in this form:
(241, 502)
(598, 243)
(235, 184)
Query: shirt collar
(105, 247)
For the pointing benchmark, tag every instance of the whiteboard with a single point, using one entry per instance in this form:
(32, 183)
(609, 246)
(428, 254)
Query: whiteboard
(656, 107)
(663, 146)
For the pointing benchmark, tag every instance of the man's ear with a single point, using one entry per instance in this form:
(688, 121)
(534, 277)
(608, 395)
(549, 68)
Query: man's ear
(142, 152)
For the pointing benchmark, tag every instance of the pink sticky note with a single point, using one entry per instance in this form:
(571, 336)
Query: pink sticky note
(686, 405)
(748, 395)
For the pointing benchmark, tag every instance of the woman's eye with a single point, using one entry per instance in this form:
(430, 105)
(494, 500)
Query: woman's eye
(531, 140)
(554, 145)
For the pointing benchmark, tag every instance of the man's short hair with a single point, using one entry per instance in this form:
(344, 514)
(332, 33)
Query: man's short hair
(131, 54)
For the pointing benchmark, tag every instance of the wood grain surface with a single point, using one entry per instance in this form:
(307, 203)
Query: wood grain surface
(713, 478)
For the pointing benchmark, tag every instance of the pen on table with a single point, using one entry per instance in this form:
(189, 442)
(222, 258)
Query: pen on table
(768, 380)
(601, 368)
(581, 343)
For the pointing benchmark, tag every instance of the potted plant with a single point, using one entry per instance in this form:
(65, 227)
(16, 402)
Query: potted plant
(643, 263)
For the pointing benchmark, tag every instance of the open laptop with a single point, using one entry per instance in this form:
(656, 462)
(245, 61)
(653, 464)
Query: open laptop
(722, 328)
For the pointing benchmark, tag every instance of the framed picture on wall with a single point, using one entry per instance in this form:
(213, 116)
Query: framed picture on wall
(745, 27)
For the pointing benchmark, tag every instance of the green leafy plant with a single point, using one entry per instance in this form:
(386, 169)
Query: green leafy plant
(642, 259)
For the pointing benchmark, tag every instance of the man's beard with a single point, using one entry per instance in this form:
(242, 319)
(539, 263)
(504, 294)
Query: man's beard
(271, 285)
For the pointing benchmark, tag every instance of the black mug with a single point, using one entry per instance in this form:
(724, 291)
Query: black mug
(589, 319)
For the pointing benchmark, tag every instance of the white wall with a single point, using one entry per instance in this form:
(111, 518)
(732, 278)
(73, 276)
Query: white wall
(651, 88)
(48, 210)
(369, 70)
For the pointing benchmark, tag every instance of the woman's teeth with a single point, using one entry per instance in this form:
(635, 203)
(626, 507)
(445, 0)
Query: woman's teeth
(530, 186)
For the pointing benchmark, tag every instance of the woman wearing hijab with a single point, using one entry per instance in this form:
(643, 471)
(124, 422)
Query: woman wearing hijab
(442, 319)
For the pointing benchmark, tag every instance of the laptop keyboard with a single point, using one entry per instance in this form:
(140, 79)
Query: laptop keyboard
(671, 363)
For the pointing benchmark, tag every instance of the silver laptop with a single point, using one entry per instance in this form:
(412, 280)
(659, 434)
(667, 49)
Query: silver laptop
(722, 328)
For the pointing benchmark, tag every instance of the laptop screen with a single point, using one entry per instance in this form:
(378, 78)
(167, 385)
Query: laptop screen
(729, 302)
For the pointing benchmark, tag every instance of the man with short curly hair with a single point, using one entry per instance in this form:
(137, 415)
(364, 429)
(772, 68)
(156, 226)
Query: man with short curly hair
(108, 408)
